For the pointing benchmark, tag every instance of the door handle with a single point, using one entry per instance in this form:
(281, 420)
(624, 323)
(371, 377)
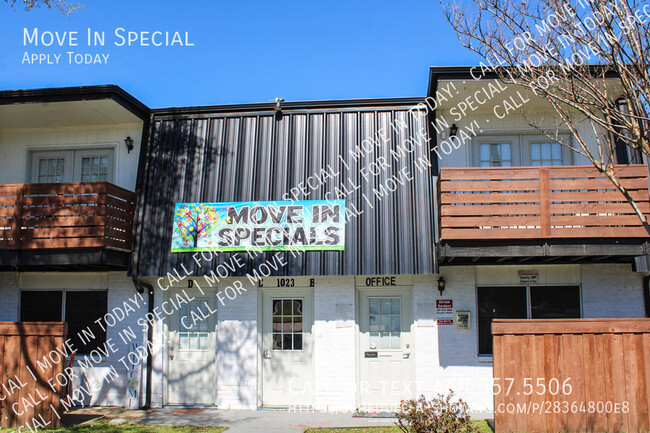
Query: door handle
(266, 353)
(171, 352)
(406, 355)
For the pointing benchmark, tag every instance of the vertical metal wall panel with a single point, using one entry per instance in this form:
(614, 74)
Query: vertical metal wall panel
(245, 155)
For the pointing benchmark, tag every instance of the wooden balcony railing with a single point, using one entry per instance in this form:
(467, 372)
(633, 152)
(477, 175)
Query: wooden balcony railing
(66, 215)
(540, 202)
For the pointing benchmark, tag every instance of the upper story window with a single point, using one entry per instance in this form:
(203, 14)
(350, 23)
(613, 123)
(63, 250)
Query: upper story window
(545, 153)
(495, 155)
(83, 165)
(519, 150)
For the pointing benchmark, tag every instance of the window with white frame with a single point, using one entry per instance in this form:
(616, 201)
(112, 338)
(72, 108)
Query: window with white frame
(287, 323)
(544, 153)
(521, 150)
(495, 155)
(384, 317)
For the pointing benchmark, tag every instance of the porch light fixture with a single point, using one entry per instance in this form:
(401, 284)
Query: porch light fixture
(129, 143)
(441, 285)
(453, 130)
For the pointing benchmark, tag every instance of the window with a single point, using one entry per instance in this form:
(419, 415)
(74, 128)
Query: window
(40, 306)
(522, 302)
(94, 169)
(80, 309)
(521, 150)
(287, 324)
(191, 335)
(384, 318)
(495, 155)
(51, 170)
(554, 302)
(81, 165)
(52, 167)
(545, 153)
(497, 303)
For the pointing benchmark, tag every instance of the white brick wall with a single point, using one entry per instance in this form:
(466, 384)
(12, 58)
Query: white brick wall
(443, 357)
(611, 291)
(334, 344)
(237, 349)
(458, 366)
(9, 296)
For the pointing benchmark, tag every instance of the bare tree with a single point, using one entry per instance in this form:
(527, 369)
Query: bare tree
(65, 6)
(588, 58)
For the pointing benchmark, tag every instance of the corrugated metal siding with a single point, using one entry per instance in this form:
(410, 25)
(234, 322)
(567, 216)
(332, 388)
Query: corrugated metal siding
(222, 157)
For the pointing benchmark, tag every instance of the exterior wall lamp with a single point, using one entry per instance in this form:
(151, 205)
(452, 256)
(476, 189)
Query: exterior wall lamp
(128, 141)
(441, 284)
(278, 108)
(453, 130)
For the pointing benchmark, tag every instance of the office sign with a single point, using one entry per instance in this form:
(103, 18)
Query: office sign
(259, 225)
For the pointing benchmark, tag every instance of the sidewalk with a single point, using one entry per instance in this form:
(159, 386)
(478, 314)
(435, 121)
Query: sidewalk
(251, 421)
(239, 421)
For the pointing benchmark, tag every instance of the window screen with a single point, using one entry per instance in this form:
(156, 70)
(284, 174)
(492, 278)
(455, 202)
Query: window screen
(554, 302)
(40, 306)
(82, 309)
(498, 303)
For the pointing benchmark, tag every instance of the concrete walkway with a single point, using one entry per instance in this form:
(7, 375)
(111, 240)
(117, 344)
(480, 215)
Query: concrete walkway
(251, 421)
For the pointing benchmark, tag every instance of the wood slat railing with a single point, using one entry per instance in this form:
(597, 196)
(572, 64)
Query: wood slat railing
(66, 215)
(541, 202)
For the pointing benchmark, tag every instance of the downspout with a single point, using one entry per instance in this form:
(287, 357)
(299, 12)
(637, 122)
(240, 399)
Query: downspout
(140, 285)
(435, 167)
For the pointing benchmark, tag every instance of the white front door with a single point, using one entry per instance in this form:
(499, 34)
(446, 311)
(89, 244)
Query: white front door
(192, 348)
(287, 347)
(386, 347)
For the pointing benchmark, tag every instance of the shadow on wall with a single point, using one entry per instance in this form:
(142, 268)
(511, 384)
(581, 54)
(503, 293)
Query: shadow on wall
(456, 347)
(237, 361)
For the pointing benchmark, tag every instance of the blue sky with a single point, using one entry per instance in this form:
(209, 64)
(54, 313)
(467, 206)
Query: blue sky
(244, 51)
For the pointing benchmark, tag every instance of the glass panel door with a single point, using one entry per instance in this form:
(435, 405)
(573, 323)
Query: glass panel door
(51, 167)
(94, 165)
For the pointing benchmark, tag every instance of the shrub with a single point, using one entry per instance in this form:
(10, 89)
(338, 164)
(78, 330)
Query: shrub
(438, 415)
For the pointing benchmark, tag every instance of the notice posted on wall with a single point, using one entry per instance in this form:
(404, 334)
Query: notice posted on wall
(444, 311)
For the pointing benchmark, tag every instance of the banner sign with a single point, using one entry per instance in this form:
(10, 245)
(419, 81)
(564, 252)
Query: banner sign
(259, 225)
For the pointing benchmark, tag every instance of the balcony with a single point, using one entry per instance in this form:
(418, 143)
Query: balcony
(566, 213)
(65, 225)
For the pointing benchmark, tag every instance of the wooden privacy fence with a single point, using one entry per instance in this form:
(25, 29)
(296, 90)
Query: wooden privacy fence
(66, 215)
(573, 375)
(26, 397)
(541, 202)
